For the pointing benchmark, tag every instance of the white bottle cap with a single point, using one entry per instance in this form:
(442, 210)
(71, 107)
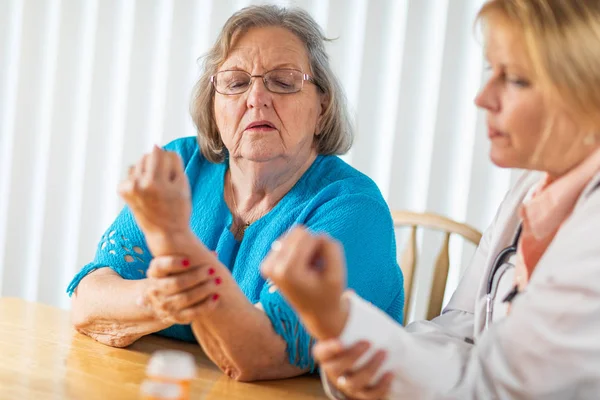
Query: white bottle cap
(172, 364)
(160, 390)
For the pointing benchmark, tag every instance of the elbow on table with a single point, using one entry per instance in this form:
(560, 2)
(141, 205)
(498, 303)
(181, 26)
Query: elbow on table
(242, 371)
(240, 374)
(253, 369)
(117, 341)
(107, 334)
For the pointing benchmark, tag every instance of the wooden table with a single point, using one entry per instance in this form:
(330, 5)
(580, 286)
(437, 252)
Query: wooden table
(43, 357)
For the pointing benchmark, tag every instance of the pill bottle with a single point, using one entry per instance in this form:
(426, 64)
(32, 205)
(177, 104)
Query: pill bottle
(172, 367)
(152, 390)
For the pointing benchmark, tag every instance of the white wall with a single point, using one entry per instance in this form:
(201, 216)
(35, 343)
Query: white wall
(87, 86)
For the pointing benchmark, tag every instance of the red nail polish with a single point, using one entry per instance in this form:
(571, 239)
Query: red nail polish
(215, 297)
(185, 263)
(218, 281)
(211, 271)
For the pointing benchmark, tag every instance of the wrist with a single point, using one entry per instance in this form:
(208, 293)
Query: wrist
(329, 323)
(169, 243)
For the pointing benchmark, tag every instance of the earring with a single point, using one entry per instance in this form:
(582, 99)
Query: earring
(589, 139)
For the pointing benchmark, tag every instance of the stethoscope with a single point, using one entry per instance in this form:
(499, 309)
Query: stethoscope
(501, 259)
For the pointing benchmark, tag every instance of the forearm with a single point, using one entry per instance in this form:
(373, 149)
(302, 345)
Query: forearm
(104, 307)
(237, 336)
(240, 339)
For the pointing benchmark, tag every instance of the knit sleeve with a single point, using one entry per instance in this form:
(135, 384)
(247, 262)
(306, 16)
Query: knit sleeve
(364, 227)
(122, 248)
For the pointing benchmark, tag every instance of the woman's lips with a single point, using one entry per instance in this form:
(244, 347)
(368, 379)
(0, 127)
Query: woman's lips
(260, 128)
(494, 133)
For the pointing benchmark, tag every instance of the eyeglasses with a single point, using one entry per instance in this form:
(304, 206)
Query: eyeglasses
(282, 81)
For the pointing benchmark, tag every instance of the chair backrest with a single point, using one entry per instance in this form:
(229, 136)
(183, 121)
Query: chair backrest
(408, 260)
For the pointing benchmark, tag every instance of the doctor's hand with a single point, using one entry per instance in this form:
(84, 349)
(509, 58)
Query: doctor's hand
(310, 272)
(356, 382)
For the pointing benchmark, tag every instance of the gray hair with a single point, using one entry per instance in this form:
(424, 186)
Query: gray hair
(336, 132)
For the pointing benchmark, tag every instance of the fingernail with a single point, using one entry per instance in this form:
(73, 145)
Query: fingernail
(211, 271)
(185, 263)
(215, 297)
(218, 281)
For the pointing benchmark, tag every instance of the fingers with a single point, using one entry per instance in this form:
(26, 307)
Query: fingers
(167, 265)
(174, 297)
(174, 284)
(379, 390)
(290, 256)
(165, 166)
(129, 186)
(168, 312)
(140, 167)
(155, 164)
(330, 259)
(362, 377)
(172, 265)
(343, 363)
(338, 364)
(327, 350)
(175, 169)
(178, 302)
(194, 312)
(158, 166)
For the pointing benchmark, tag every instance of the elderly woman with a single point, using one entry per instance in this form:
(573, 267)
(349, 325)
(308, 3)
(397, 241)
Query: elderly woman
(270, 118)
(524, 322)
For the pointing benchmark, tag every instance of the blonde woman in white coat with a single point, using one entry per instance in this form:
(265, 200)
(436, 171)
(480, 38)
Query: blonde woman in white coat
(524, 322)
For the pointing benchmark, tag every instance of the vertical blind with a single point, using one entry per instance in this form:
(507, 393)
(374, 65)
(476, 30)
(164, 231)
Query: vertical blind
(87, 86)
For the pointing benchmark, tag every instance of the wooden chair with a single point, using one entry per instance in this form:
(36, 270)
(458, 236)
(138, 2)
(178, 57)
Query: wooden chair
(408, 260)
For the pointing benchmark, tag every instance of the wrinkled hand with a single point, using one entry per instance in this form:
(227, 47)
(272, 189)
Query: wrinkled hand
(179, 293)
(158, 193)
(310, 272)
(340, 367)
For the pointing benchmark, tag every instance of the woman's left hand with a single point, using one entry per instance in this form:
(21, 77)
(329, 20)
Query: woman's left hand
(158, 192)
(180, 293)
(310, 272)
(339, 365)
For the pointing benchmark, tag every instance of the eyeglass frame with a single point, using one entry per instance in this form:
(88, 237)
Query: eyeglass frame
(305, 77)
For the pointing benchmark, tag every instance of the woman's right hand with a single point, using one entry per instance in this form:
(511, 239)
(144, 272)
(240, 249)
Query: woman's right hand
(339, 365)
(179, 293)
(158, 192)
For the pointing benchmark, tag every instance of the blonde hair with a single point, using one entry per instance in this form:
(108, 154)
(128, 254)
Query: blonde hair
(562, 39)
(335, 134)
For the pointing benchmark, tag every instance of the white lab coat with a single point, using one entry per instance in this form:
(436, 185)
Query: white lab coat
(547, 348)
